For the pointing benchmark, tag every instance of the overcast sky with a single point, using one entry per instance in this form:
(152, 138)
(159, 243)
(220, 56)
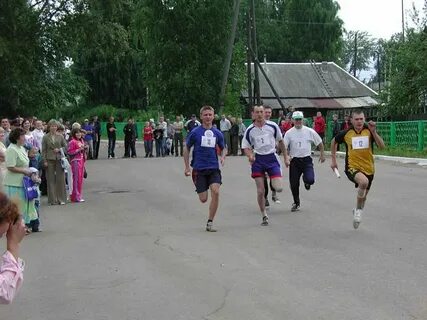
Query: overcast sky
(381, 18)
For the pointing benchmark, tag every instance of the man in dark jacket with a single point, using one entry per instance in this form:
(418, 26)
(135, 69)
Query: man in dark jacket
(130, 139)
(96, 136)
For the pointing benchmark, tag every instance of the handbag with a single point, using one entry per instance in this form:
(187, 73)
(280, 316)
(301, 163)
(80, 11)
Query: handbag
(30, 188)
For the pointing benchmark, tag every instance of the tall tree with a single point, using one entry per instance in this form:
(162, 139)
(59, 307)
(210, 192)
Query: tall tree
(185, 43)
(359, 47)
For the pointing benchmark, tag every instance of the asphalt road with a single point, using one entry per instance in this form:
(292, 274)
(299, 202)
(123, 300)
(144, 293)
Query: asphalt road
(137, 249)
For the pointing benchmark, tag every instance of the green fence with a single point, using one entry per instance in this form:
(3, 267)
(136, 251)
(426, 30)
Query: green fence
(410, 135)
(405, 134)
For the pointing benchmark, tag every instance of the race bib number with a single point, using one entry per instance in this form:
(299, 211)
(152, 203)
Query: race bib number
(262, 141)
(360, 142)
(208, 140)
(299, 144)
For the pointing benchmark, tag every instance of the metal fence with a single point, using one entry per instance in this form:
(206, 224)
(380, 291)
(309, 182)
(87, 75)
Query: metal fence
(411, 135)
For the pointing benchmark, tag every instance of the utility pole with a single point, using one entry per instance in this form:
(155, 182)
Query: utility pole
(355, 55)
(257, 94)
(226, 70)
(378, 71)
(249, 59)
(403, 23)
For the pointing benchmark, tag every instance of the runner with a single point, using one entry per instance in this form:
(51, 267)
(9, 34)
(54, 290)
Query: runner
(274, 197)
(299, 140)
(259, 145)
(206, 174)
(359, 160)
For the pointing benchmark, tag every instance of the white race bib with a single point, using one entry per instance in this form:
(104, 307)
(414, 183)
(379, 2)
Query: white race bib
(262, 140)
(208, 140)
(360, 142)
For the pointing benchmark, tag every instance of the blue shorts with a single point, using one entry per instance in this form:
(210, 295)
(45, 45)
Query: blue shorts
(204, 178)
(266, 164)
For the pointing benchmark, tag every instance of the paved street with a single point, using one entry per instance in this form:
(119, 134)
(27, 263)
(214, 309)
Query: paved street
(137, 249)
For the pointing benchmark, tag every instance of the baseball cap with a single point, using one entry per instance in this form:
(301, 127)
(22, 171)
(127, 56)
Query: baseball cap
(86, 120)
(297, 115)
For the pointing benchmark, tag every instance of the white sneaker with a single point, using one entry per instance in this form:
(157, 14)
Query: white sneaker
(357, 217)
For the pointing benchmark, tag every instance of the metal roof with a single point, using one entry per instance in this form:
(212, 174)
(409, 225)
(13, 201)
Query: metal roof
(313, 85)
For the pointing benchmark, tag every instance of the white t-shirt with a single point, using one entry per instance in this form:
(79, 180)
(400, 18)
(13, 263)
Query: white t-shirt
(299, 141)
(262, 139)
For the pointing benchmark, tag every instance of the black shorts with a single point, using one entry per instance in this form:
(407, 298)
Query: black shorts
(204, 178)
(351, 174)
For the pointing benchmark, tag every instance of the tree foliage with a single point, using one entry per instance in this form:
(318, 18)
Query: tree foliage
(358, 50)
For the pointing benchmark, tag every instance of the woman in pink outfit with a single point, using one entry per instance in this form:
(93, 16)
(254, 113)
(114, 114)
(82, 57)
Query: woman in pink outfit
(11, 267)
(76, 151)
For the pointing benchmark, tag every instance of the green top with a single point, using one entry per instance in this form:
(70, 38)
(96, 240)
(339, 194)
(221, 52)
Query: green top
(15, 157)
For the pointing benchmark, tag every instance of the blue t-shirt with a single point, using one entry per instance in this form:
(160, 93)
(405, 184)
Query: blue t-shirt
(204, 142)
(88, 127)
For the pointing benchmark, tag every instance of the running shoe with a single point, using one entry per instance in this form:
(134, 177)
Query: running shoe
(307, 186)
(209, 227)
(275, 199)
(295, 207)
(357, 218)
(267, 204)
(264, 221)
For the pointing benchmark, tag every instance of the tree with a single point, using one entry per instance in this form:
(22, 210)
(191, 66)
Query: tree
(34, 77)
(358, 49)
(185, 46)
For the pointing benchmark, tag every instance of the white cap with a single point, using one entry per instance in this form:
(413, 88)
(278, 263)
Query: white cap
(297, 115)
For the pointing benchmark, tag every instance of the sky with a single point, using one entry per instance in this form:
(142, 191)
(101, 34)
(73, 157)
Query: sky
(380, 18)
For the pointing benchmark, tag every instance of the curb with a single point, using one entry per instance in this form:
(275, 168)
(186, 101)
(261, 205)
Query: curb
(417, 161)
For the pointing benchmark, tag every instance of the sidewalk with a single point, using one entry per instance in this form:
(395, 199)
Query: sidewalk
(418, 161)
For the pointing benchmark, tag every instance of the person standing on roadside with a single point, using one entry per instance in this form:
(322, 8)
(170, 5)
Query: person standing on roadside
(178, 126)
(96, 136)
(111, 133)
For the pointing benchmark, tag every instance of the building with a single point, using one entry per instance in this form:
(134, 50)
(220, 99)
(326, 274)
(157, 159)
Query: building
(312, 87)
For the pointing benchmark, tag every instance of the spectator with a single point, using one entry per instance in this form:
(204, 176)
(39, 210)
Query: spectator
(17, 163)
(5, 124)
(38, 134)
(347, 123)
(242, 129)
(225, 126)
(285, 125)
(89, 132)
(158, 136)
(282, 117)
(178, 125)
(234, 137)
(11, 267)
(2, 157)
(76, 151)
(35, 165)
(111, 133)
(96, 136)
(130, 139)
(171, 133)
(51, 154)
(336, 128)
(320, 125)
(164, 126)
(192, 123)
(29, 138)
(148, 139)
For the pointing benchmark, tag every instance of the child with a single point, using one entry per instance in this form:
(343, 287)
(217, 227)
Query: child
(76, 151)
(35, 165)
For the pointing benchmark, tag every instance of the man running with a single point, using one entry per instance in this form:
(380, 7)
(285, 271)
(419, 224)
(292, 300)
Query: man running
(299, 140)
(206, 174)
(359, 161)
(259, 145)
(274, 197)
